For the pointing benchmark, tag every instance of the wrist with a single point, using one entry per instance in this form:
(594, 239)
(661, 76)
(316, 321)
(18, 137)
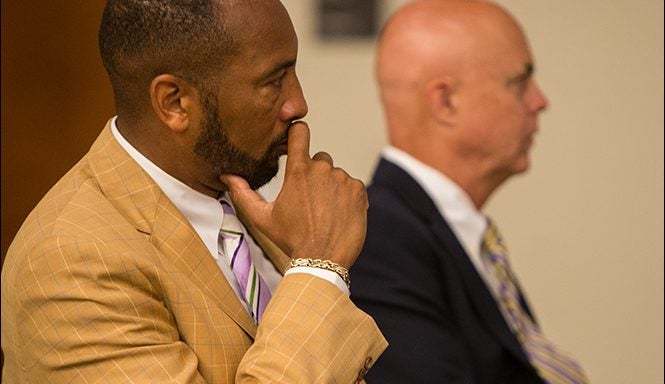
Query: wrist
(328, 265)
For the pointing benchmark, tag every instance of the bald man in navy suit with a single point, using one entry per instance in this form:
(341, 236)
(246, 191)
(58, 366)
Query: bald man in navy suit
(461, 106)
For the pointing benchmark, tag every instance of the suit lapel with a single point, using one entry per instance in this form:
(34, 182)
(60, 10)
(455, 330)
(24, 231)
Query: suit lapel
(480, 295)
(136, 195)
(176, 239)
(419, 202)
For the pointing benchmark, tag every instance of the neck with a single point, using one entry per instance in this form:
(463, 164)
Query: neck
(470, 176)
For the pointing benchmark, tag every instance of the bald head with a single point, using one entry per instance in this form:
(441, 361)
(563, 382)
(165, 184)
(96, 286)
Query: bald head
(427, 41)
(455, 80)
(429, 37)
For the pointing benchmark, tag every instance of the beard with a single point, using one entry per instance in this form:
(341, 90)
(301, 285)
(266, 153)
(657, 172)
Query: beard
(214, 146)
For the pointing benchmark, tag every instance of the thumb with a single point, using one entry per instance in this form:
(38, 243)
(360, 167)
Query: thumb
(252, 205)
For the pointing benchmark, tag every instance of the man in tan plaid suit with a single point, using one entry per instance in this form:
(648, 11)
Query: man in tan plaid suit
(117, 276)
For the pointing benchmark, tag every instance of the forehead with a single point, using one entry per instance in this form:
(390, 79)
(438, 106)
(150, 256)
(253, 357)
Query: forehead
(504, 42)
(495, 49)
(263, 32)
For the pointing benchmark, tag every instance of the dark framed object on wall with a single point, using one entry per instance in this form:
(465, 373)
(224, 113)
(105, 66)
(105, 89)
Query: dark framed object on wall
(347, 18)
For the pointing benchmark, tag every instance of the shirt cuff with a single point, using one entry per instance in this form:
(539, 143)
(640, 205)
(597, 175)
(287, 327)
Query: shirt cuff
(322, 273)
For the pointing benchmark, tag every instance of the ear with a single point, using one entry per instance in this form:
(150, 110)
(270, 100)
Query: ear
(174, 101)
(442, 99)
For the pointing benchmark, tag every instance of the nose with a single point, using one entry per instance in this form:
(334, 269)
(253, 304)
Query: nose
(295, 106)
(538, 101)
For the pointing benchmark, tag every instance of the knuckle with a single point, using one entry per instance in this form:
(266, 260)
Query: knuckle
(321, 165)
(342, 174)
(358, 184)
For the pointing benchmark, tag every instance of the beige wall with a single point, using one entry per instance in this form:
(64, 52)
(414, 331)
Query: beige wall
(585, 224)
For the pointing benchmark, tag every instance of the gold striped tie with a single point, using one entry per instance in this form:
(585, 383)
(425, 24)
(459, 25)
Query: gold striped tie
(553, 365)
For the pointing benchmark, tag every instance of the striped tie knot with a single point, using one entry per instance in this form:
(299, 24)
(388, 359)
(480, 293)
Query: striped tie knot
(494, 242)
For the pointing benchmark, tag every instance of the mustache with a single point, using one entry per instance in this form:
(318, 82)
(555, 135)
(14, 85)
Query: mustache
(280, 139)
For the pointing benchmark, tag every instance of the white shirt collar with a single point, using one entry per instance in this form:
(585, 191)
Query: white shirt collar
(452, 202)
(203, 212)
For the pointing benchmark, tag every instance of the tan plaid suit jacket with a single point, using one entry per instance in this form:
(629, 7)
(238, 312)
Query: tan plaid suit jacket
(106, 282)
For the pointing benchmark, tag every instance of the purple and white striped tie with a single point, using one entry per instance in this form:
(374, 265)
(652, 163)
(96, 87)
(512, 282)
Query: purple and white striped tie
(233, 243)
(553, 365)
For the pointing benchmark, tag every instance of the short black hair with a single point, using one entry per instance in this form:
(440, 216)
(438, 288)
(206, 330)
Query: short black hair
(140, 39)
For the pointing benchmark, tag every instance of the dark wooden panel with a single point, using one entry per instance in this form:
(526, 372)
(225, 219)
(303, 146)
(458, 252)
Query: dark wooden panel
(55, 98)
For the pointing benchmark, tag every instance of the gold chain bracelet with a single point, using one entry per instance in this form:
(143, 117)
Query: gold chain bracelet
(323, 264)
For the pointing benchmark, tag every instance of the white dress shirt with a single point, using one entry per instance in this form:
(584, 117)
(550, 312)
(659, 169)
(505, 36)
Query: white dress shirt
(205, 214)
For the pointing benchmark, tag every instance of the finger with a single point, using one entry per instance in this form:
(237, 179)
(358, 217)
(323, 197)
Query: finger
(323, 156)
(244, 198)
(298, 150)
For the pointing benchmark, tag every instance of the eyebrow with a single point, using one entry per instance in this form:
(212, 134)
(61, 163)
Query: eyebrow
(279, 67)
(524, 75)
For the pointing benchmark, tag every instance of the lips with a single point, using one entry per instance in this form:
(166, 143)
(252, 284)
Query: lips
(283, 147)
(282, 143)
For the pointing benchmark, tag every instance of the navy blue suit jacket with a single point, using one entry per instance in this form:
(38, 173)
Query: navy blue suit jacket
(414, 277)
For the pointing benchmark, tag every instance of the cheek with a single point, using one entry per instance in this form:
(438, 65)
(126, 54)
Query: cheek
(503, 130)
(497, 125)
(252, 129)
(510, 115)
(510, 132)
(253, 136)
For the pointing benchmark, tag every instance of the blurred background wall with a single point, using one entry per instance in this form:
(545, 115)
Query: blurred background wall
(585, 224)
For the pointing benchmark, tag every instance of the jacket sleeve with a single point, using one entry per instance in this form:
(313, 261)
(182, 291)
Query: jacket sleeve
(311, 332)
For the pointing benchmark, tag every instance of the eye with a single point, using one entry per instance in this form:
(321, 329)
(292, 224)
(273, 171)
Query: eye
(277, 82)
(522, 81)
(523, 86)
